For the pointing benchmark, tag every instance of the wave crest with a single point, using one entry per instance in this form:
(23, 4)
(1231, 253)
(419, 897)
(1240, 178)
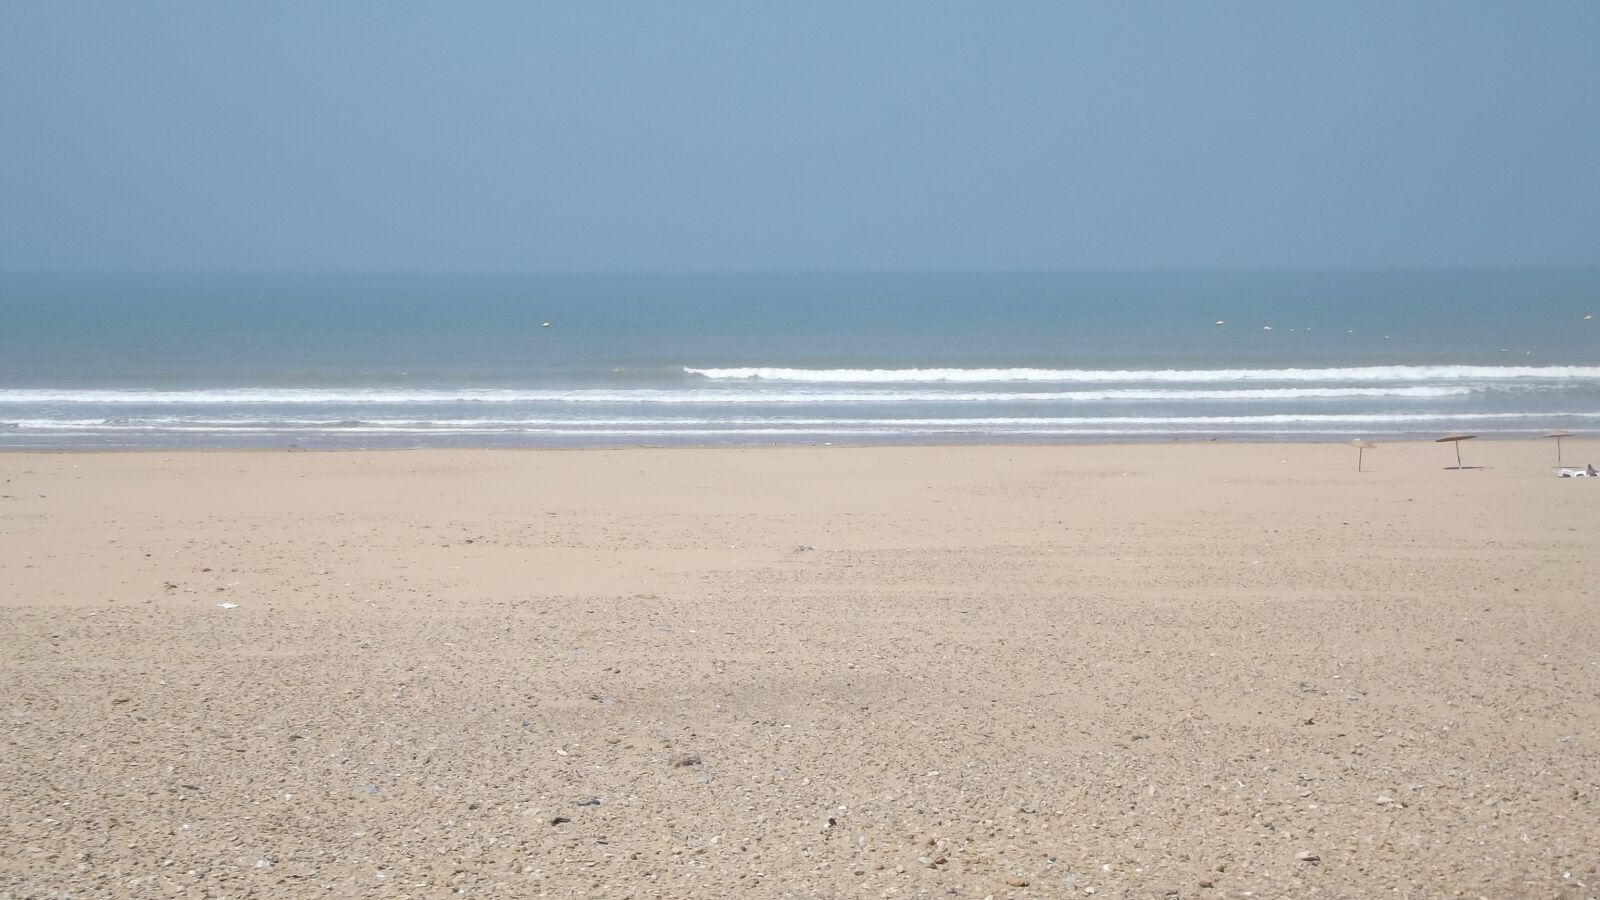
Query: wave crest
(1114, 376)
(721, 395)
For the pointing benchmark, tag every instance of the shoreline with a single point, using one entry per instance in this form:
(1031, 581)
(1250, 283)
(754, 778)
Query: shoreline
(1240, 441)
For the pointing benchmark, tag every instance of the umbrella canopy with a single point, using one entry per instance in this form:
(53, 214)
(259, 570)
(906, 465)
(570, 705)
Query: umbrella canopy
(1362, 445)
(1558, 434)
(1455, 438)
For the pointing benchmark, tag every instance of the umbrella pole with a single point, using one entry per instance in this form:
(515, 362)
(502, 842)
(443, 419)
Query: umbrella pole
(1360, 451)
(1458, 456)
(1558, 453)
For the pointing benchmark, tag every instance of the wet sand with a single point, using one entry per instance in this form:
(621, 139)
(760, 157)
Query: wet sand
(1191, 670)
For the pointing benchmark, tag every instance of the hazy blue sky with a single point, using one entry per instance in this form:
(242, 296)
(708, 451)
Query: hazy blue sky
(741, 135)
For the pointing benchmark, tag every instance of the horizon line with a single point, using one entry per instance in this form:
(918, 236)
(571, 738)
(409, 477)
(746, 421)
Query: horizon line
(1103, 270)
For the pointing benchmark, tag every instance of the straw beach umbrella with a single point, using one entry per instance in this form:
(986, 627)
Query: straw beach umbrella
(1362, 446)
(1455, 438)
(1558, 434)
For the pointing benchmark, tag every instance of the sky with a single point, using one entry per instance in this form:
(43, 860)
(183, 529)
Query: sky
(596, 136)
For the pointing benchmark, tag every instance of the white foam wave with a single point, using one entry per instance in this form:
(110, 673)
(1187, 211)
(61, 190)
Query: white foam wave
(579, 425)
(775, 432)
(1109, 376)
(266, 396)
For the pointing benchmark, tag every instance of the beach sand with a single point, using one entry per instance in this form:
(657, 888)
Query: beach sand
(1184, 670)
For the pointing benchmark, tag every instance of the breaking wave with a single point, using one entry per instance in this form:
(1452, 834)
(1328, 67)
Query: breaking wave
(1133, 376)
(293, 396)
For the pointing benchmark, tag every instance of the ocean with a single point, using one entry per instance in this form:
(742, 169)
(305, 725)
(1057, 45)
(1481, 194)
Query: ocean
(408, 360)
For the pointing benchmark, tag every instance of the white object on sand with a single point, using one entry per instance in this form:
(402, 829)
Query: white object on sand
(227, 606)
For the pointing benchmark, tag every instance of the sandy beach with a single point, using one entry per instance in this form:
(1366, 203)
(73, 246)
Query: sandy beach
(1182, 670)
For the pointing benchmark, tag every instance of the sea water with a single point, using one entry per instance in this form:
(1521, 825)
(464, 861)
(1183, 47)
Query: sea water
(402, 360)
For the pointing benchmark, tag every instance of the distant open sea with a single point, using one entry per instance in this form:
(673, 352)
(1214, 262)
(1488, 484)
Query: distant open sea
(402, 360)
